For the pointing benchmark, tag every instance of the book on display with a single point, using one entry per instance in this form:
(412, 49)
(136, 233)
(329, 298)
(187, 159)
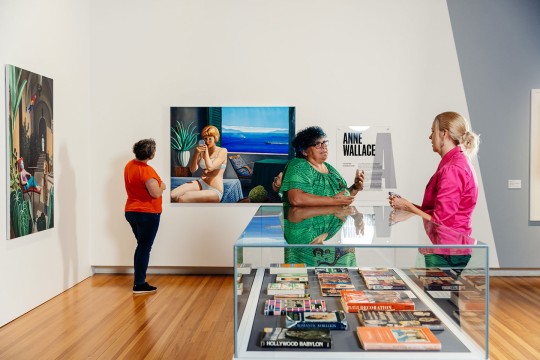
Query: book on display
(404, 338)
(356, 300)
(286, 288)
(296, 338)
(400, 318)
(335, 320)
(276, 268)
(281, 307)
(446, 283)
(301, 278)
(433, 272)
(323, 271)
(244, 269)
(292, 297)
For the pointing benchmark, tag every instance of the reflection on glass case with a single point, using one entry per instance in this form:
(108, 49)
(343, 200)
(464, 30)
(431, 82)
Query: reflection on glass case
(358, 282)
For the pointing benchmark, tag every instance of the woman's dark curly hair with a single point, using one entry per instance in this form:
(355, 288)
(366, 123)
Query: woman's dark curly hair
(306, 138)
(144, 149)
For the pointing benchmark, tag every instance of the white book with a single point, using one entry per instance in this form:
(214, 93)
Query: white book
(288, 269)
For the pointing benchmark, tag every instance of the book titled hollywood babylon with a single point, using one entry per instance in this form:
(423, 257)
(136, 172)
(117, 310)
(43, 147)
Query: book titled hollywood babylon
(296, 338)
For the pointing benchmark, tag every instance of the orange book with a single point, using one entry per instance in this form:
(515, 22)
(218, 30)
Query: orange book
(403, 338)
(355, 300)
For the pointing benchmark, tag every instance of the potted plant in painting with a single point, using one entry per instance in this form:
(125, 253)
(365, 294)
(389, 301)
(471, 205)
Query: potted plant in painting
(183, 139)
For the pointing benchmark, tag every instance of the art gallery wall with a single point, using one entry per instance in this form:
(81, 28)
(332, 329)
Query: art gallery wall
(346, 63)
(499, 57)
(119, 66)
(49, 38)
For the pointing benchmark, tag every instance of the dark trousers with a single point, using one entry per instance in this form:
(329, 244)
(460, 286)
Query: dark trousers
(456, 262)
(145, 227)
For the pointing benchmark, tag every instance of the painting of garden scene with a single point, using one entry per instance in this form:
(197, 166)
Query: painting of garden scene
(30, 152)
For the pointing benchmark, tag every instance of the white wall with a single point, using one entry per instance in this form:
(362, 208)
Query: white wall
(49, 38)
(119, 65)
(341, 62)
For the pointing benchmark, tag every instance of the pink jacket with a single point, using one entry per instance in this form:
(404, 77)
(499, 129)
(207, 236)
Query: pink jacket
(452, 192)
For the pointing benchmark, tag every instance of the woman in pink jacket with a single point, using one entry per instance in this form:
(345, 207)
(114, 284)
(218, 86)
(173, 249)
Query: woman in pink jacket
(451, 194)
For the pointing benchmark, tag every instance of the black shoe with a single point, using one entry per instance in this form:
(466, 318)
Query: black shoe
(144, 288)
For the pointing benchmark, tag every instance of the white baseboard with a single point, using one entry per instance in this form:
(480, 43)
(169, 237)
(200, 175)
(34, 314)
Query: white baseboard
(165, 270)
(514, 272)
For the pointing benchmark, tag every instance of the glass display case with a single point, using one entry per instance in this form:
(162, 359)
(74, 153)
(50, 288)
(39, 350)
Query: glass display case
(379, 253)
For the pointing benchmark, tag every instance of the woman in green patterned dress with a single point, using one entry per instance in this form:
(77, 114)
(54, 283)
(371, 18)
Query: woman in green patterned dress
(308, 180)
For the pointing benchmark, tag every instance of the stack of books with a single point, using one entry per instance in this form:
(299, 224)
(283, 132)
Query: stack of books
(438, 279)
(381, 279)
(282, 307)
(333, 280)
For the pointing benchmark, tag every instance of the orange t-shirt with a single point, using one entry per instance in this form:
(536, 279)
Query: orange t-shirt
(136, 174)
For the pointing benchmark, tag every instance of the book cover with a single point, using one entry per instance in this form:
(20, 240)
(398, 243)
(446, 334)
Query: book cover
(281, 307)
(353, 301)
(296, 338)
(303, 278)
(244, 269)
(335, 280)
(330, 292)
(384, 283)
(338, 286)
(441, 283)
(291, 297)
(335, 320)
(372, 271)
(405, 338)
(276, 268)
(400, 318)
(433, 272)
(286, 288)
(323, 271)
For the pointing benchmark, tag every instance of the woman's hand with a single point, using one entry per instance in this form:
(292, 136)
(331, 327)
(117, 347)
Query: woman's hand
(399, 203)
(276, 184)
(201, 149)
(342, 199)
(359, 180)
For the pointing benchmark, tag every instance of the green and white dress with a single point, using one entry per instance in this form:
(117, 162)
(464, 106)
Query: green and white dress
(299, 174)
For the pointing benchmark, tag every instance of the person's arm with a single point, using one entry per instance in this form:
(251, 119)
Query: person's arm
(399, 203)
(298, 214)
(212, 165)
(298, 197)
(155, 189)
(194, 163)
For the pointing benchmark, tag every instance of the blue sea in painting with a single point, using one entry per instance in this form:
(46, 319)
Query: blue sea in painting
(273, 141)
(264, 226)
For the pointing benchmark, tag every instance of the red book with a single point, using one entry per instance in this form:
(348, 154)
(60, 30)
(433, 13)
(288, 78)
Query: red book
(355, 300)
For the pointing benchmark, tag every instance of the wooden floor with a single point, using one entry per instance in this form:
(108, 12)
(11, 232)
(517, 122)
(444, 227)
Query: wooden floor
(191, 317)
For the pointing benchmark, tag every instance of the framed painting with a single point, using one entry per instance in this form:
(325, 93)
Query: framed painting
(29, 107)
(229, 154)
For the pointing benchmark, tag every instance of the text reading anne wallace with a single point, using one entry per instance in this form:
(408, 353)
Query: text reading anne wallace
(353, 145)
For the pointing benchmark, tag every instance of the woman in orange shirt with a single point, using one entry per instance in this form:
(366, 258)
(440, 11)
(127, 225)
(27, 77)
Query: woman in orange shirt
(143, 208)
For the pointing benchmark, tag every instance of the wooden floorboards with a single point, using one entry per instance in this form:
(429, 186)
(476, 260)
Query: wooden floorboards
(191, 317)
